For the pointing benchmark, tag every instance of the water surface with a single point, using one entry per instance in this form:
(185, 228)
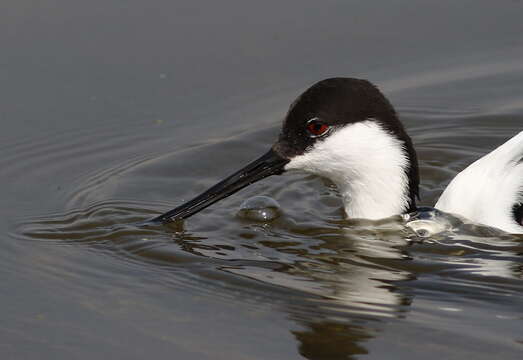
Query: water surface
(115, 112)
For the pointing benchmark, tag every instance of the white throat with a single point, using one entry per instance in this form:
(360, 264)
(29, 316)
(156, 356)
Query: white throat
(367, 163)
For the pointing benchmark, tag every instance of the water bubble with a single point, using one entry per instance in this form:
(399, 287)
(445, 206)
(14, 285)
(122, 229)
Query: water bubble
(426, 222)
(427, 228)
(259, 208)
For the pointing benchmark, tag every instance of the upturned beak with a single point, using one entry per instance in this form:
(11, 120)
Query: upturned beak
(271, 163)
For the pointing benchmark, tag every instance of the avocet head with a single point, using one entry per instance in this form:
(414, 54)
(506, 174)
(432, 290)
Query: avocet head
(343, 129)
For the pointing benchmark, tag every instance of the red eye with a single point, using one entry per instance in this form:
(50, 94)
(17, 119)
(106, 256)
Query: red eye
(316, 128)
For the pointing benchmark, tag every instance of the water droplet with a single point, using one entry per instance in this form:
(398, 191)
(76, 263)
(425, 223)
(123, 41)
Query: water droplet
(260, 208)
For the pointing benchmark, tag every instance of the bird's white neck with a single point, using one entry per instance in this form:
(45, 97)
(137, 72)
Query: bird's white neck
(367, 163)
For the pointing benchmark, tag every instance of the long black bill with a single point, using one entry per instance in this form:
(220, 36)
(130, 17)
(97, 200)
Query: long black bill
(269, 164)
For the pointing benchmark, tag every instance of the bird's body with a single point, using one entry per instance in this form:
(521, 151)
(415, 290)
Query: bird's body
(490, 190)
(344, 129)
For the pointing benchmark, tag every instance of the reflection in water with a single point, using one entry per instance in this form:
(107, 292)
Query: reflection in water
(330, 340)
(346, 277)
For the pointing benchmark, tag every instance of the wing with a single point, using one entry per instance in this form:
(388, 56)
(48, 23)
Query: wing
(490, 191)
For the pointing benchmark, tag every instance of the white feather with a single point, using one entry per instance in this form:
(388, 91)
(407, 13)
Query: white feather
(487, 190)
(367, 163)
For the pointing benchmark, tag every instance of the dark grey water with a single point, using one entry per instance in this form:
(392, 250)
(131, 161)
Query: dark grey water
(113, 112)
